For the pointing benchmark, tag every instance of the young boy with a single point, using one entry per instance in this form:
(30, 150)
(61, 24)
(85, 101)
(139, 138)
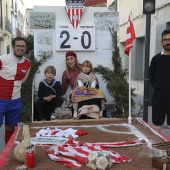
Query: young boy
(49, 94)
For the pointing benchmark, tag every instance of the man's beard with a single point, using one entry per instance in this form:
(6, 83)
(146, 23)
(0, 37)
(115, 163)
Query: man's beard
(18, 56)
(165, 47)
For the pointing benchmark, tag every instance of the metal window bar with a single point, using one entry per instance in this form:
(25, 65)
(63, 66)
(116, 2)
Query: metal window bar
(5, 24)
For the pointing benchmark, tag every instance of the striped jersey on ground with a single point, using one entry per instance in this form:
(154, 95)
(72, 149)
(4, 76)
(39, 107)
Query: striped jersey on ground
(78, 152)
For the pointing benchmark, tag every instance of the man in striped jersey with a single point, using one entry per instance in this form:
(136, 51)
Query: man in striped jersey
(14, 69)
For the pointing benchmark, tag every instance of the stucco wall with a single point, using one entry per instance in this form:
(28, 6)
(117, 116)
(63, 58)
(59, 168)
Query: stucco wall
(159, 22)
(59, 57)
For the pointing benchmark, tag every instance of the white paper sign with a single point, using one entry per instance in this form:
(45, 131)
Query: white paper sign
(80, 39)
(48, 140)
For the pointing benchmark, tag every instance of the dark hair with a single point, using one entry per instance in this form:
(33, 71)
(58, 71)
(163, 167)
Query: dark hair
(50, 69)
(165, 32)
(18, 39)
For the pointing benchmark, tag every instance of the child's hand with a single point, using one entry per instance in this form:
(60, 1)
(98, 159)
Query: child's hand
(53, 96)
(48, 98)
(93, 91)
(85, 91)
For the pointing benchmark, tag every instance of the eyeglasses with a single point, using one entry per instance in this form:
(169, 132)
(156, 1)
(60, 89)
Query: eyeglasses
(20, 46)
(166, 40)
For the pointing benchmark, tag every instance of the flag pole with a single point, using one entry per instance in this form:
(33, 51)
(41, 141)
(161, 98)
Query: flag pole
(130, 36)
(130, 116)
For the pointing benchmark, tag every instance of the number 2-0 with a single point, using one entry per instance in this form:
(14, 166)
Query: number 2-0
(84, 33)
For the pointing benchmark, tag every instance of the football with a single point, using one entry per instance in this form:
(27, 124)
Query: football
(99, 160)
(19, 152)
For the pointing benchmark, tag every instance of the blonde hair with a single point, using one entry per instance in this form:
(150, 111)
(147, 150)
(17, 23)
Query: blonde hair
(51, 69)
(88, 64)
(77, 67)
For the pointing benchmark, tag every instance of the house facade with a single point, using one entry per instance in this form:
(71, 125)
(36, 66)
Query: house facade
(159, 22)
(13, 22)
(5, 26)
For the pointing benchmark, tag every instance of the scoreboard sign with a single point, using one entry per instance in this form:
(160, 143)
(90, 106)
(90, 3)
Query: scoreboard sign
(80, 39)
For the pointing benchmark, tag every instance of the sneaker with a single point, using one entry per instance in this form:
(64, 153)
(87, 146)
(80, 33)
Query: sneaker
(53, 117)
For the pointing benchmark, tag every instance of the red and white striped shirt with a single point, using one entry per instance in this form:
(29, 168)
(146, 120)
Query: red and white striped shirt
(80, 150)
(12, 73)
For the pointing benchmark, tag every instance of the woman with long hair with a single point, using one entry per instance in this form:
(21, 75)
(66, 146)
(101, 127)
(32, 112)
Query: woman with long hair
(72, 71)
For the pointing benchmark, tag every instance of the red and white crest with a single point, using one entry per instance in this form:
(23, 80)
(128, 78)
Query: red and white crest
(75, 13)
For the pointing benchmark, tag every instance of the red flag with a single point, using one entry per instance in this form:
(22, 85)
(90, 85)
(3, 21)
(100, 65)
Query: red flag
(130, 35)
(75, 13)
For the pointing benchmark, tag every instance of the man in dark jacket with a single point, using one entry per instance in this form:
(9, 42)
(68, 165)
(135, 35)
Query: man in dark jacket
(160, 80)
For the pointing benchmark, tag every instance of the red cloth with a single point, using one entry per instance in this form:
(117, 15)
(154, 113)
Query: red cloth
(71, 53)
(130, 35)
(8, 135)
(80, 150)
(80, 133)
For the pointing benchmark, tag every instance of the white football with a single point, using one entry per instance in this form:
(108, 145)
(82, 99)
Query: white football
(19, 152)
(99, 160)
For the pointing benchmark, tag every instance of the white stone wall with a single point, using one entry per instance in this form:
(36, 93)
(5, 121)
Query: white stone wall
(158, 22)
(59, 59)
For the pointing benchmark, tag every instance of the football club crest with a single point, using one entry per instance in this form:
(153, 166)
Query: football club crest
(75, 13)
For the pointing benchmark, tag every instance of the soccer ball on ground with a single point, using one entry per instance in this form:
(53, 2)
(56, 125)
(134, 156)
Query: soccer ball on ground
(99, 160)
(19, 152)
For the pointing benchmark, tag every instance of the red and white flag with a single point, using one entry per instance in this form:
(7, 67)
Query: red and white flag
(130, 35)
(75, 13)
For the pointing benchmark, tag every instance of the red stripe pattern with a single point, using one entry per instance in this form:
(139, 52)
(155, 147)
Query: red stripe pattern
(80, 150)
(12, 74)
(75, 13)
(130, 35)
